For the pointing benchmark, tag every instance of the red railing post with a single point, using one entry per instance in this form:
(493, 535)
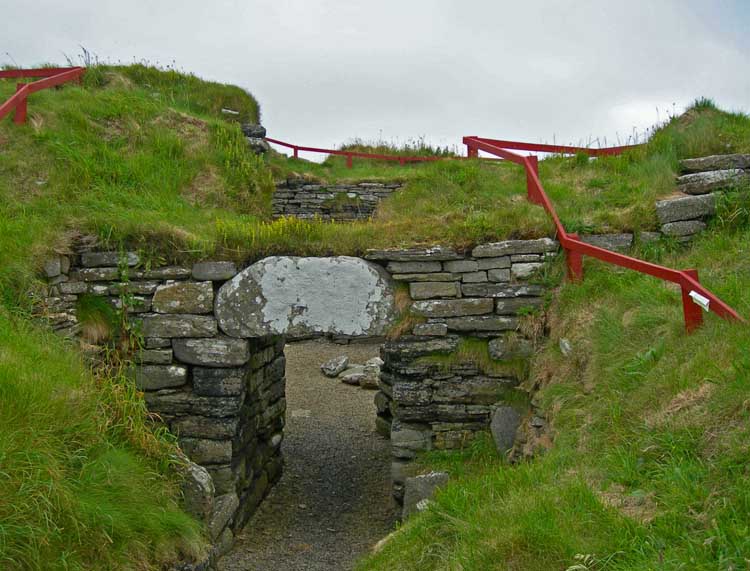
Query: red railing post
(472, 152)
(349, 163)
(296, 152)
(20, 117)
(692, 311)
(532, 192)
(574, 262)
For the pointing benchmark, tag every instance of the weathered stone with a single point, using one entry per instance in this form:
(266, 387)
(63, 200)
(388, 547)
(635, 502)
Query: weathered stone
(218, 352)
(409, 348)
(470, 390)
(419, 490)
(180, 402)
(73, 288)
(409, 438)
(482, 323)
(453, 307)
(613, 242)
(214, 271)
(683, 228)
(197, 492)
(157, 343)
(178, 326)
(224, 509)
(685, 208)
(509, 247)
(184, 297)
(429, 290)
(224, 543)
(95, 274)
(371, 377)
(516, 258)
(430, 329)
(439, 277)
(374, 362)
(252, 130)
(511, 306)
(503, 426)
(204, 427)
(353, 375)
(715, 162)
(524, 270)
(205, 451)
(474, 277)
(218, 382)
(414, 267)
(461, 266)
(648, 237)
(53, 267)
(435, 253)
(510, 347)
(335, 366)
(155, 356)
(167, 273)
(499, 275)
(705, 182)
(304, 296)
(102, 259)
(500, 263)
(135, 287)
(501, 290)
(155, 377)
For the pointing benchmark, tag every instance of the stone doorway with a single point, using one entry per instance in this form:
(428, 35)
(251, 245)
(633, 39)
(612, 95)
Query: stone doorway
(334, 500)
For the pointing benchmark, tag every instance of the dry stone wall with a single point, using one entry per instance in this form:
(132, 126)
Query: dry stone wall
(341, 202)
(432, 394)
(222, 396)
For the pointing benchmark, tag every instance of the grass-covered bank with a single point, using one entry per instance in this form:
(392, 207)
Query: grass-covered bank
(84, 482)
(648, 466)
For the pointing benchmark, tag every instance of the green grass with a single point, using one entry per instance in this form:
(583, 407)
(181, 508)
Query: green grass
(84, 482)
(648, 466)
(144, 158)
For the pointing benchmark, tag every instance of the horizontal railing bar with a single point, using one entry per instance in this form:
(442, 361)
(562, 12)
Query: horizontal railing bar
(558, 149)
(37, 72)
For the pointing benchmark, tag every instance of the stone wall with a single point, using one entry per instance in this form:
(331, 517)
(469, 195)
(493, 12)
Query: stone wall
(434, 394)
(222, 396)
(341, 202)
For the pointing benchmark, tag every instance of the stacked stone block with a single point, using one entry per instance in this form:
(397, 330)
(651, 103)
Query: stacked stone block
(429, 398)
(222, 396)
(340, 202)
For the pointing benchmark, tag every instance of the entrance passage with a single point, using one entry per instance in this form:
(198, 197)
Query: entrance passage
(333, 502)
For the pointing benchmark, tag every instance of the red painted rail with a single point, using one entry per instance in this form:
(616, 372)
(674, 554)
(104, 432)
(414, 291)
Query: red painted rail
(575, 249)
(52, 77)
(351, 154)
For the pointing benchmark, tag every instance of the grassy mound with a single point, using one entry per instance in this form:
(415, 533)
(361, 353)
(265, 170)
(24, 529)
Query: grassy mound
(645, 462)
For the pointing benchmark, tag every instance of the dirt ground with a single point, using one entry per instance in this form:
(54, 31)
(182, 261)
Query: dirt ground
(333, 502)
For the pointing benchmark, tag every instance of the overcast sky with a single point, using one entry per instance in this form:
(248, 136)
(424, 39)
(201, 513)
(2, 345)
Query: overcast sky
(325, 71)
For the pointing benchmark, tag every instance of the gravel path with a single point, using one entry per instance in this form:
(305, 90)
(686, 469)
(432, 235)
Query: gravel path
(333, 502)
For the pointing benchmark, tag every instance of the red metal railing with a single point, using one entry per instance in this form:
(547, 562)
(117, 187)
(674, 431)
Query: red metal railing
(52, 77)
(575, 249)
(362, 155)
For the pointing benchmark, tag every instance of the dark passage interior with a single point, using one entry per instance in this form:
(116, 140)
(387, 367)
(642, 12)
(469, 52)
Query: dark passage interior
(334, 499)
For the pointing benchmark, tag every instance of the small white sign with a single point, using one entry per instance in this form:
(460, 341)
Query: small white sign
(698, 299)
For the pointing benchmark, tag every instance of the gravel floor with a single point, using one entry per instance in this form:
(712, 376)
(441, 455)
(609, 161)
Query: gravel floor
(333, 502)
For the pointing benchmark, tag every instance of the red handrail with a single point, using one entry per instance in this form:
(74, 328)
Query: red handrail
(575, 249)
(52, 76)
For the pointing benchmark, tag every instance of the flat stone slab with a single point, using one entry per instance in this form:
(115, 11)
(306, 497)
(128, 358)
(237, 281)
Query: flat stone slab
(165, 326)
(418, 491)
(685, 208)
(705, 182)
(297, 297)
(156, 377)
(214, 271)
(510, 247)
(184, 297)
(212, 352)
(452, 307)
(613, 242)
(715, 162)
(683, 228)
(435, 253)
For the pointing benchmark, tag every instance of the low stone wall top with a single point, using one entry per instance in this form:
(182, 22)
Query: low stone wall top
(340, 202)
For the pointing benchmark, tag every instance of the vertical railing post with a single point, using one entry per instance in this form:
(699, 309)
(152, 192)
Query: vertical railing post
(692, 311)
(20, 116)
(296, 152)
(574, 262)
(532, 192)
(349, 163)
(472, 152)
